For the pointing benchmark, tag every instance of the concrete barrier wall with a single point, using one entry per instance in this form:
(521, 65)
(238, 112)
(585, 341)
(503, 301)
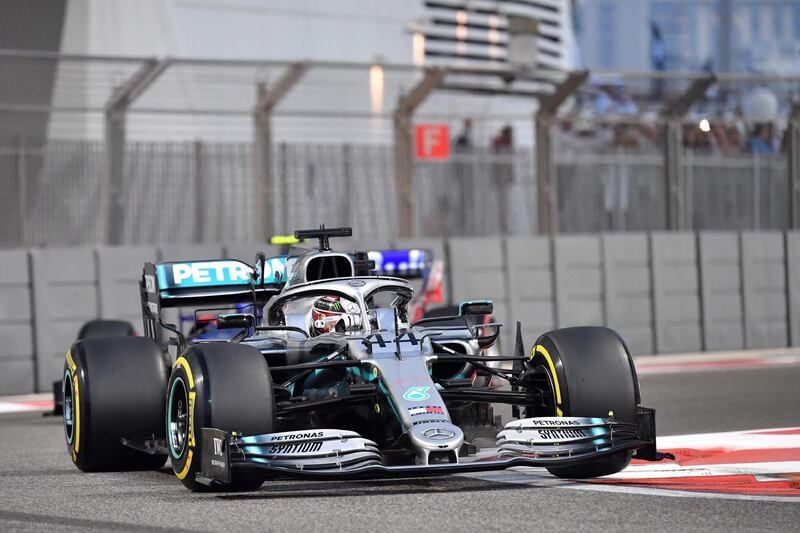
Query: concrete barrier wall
(529, 267)
(16, 324)
(65, 297)
(119, 270)
(477, 271)
(793, 289)
(190, 252)
(764, 289)
(676, 294)
(721, 291)
(664, 292)
(627, 297)
(247, 252)
(578, 271)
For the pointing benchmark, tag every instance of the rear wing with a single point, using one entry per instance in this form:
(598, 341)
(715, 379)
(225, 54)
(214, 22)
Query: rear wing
(201, 283)
(217, 281)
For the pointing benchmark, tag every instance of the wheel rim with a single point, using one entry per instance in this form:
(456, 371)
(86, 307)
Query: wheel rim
(69, 407)
(544, 382)
(177, 418)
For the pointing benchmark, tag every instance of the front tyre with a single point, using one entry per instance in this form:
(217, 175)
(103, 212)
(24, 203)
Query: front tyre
(591, 374)
(113, 389)
(217, 385)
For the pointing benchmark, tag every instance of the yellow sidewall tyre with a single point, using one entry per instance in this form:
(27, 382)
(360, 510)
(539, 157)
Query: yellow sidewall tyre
(221, 385)
(113, 389)
(591, 374)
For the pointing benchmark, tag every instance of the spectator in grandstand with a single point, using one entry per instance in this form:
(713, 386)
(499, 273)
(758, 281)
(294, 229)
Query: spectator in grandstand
(760, 108)
(762, 139)
(626, 136)
(464, 140)
(503, 172)
(730, 134)
(581, 135)
(463, 182)
(696, 139)
(504, 141)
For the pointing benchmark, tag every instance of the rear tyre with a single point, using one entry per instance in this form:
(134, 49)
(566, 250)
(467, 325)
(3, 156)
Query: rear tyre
(591, 374)
(220, 385)
(92, 329)
(106, 328)
(113, 388)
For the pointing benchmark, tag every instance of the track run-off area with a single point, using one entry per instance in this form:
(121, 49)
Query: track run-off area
(732, 421)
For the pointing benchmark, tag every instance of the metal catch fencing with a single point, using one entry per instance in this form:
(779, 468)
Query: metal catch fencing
(179, 192)
(624, 191)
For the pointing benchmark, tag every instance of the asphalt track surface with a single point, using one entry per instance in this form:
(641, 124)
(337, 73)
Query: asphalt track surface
(42, 490)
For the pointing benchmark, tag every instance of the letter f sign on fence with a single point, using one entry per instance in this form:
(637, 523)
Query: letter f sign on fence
(432, 142)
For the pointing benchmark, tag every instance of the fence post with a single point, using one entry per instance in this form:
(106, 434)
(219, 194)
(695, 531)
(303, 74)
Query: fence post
(673, 112)
(347, 179)
(756, 192)
(22, 178)
(546, 202)
(115, 111)
(199, 190)
(283, 164)
(403, 142)
(673, 161)
(267, 99)
(793, 153)
(544, 120)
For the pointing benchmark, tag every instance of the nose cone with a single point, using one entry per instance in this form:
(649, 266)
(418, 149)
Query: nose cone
(436, 437)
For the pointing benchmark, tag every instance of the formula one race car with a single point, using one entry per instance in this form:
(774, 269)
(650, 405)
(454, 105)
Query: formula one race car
(330, 378)
(420, 267)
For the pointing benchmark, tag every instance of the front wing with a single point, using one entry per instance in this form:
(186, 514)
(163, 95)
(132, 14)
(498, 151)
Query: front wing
(336, 454)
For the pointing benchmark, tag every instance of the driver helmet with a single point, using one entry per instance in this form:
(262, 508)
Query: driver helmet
(326, 313)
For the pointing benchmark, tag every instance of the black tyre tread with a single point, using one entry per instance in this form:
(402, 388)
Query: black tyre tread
(596, 378)
(121, 393)
(106, 328)
(233, 388)
(93, 329)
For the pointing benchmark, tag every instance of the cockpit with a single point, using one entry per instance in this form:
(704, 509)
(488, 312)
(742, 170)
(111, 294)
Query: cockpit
(343, 305)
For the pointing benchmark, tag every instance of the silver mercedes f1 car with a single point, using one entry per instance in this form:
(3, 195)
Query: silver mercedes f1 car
(324, 375)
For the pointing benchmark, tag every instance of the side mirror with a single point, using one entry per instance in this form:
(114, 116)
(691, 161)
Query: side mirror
(476, 307)
(235, 321)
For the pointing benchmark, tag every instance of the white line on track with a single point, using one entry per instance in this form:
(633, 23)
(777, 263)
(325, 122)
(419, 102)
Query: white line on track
(754, 443)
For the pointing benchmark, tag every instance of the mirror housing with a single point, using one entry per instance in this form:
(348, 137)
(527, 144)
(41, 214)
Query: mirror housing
(235, 321)
(475, 307)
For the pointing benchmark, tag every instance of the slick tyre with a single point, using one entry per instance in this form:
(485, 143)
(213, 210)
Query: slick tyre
(92, 329)
(106, 328)
(217, 385)
(113, 388)
(591, 374)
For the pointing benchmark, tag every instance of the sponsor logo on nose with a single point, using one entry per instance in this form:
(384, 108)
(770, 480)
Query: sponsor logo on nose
(438, 433)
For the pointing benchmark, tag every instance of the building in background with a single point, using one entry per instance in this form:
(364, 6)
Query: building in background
(612, 33)
(422, 32)
(760, 36)
(477, 32)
